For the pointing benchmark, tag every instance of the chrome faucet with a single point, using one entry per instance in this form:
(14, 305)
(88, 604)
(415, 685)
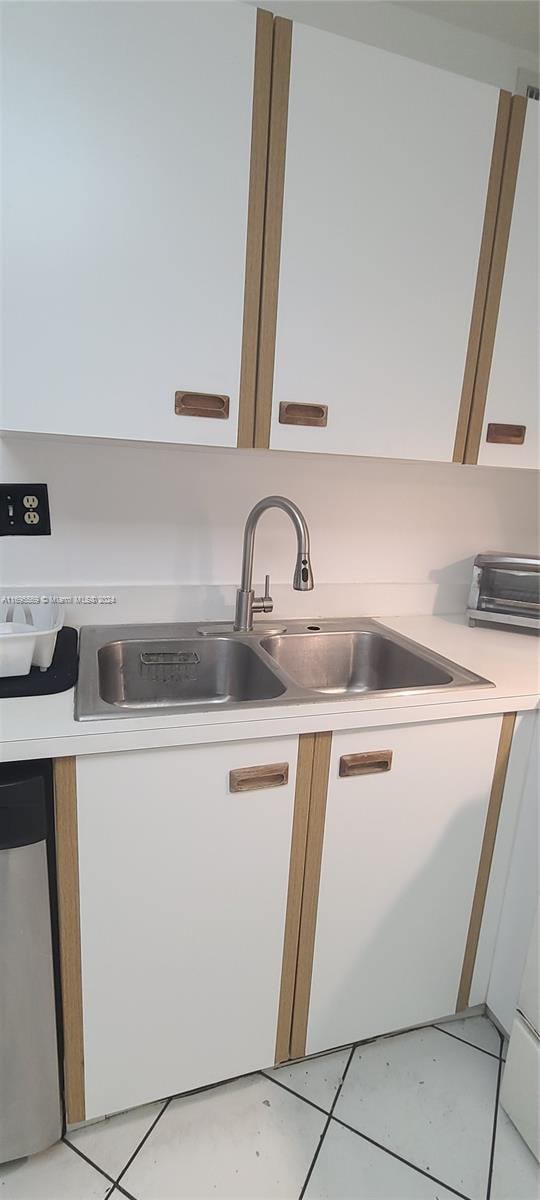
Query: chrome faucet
(246, 601)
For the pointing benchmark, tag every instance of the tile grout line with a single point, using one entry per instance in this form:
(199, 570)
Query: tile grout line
(90, 1162)
(405, 1161)
(457, 1038)
(327, 1124)
(115, 1183)
(495, 1117)
(298, 1095)
(351, 1128)
(117, 1187)
(143, 1140)
(176, 1096)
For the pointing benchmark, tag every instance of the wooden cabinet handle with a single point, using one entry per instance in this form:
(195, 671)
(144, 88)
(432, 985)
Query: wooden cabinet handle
(304, 414)
(201, 404)
(508, 435)
(250, 779)
(374, 763)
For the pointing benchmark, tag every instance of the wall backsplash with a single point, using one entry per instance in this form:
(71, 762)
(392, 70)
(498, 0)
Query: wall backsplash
(132, 514)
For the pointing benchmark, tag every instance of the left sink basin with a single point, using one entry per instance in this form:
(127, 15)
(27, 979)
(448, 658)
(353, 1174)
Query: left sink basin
(187, 671)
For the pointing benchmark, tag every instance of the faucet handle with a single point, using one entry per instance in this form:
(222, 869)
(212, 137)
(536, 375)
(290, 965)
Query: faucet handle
(267, 602)
(264, 603)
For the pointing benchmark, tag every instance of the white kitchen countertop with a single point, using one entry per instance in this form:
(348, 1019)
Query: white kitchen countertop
(44, 726)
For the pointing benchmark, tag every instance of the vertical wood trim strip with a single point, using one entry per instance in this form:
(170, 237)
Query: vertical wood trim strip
(262, 79)
(496, 275)
(67, 868)
(482, 278)
(308, 922)
(486, 856)
(259, 135)
(304, 769)
(279, 109)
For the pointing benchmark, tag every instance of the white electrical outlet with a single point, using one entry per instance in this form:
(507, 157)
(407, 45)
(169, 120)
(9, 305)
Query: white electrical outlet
(30, 501)
(31, 518)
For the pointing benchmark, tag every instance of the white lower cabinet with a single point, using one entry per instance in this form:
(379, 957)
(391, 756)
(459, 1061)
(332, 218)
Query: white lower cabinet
(183, 893)
(399, 866)
(188, 919)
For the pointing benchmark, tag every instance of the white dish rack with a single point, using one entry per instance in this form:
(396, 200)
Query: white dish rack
(28, 636)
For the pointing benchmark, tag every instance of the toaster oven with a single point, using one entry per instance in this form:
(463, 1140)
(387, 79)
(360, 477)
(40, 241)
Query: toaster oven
(505, 590)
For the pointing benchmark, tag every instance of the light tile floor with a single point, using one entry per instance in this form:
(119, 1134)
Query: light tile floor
(409, 1117)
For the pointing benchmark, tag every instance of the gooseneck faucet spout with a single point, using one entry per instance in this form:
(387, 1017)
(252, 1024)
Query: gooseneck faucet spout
(246, 601)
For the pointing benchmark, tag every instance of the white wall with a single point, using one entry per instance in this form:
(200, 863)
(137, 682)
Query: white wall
(147, 514)
(395, 27)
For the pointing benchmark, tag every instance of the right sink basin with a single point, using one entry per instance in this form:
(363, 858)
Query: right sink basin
(352, 661)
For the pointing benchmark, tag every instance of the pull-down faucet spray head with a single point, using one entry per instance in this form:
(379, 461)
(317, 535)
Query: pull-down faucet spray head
(303, 575)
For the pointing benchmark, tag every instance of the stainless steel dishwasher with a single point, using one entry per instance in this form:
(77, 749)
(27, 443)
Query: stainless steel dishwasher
(30, 1106)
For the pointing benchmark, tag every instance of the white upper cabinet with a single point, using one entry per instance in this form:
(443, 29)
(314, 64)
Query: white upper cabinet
(513, 391)
(126, 156)
(386, 176)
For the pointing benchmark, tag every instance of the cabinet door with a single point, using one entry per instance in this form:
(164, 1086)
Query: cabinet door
(512, 397)
(183, 889)
(126, 155)
(400, 860)
(387, 166)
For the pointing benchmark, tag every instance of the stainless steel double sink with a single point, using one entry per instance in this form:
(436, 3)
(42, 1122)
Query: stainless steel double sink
(128, 670)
